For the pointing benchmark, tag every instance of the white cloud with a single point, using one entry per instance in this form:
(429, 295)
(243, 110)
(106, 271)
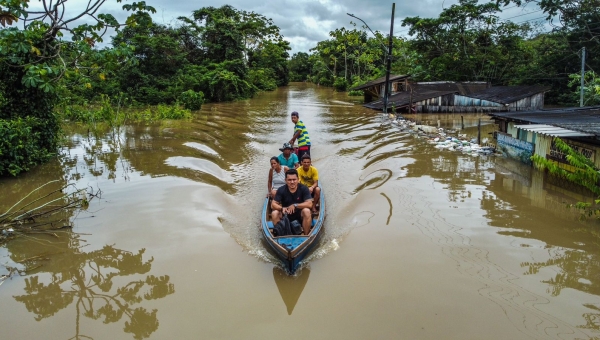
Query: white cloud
(306, 22)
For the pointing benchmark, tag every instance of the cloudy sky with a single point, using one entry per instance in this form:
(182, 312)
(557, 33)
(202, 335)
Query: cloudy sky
(306, 22)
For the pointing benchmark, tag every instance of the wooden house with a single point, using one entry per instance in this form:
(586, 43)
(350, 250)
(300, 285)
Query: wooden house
(502, 98)
(375, 89)
(526, 133)
(428, 96)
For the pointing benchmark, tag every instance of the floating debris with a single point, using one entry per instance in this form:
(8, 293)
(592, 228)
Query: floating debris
(439, 137)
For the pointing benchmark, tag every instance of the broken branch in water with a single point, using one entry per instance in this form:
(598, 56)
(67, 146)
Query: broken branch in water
(49, 211)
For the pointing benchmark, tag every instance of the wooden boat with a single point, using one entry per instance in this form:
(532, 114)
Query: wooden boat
(293, 248)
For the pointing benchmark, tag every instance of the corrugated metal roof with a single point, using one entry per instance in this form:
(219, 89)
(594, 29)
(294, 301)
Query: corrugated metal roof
(553, 131)
(403, 99)
(462, 88)
(380, 81)
(508, 94)
(585, 119)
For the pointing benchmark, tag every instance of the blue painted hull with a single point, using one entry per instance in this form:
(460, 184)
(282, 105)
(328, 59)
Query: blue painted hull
(293, 249)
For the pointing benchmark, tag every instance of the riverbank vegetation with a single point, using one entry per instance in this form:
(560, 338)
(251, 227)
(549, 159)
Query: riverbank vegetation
(584, 173)
(53, 71)
(469, 42)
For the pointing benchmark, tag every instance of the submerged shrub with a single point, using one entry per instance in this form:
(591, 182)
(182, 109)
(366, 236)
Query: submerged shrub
(171, 112)
(340, 84)
(20, 142)
(356, 93)
(192, 100)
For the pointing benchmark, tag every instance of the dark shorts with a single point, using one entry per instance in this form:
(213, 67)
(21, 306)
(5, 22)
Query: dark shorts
(296, 216)
(302, 150)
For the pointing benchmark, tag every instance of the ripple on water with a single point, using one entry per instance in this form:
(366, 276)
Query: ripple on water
(201, 165)
(374, 180)
(202, 148)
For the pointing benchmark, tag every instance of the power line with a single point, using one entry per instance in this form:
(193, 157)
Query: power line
(506, 19)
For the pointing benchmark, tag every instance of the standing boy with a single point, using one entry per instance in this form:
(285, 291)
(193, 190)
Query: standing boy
(301, 134)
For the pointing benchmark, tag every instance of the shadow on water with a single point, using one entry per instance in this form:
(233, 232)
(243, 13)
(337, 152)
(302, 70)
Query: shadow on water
(290, 287)
(109, 284)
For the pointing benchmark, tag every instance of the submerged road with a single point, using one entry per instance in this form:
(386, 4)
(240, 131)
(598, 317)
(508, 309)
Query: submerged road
(419, 243)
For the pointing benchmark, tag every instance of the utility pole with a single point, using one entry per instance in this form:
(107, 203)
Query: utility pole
(389, 63)
(582, 77)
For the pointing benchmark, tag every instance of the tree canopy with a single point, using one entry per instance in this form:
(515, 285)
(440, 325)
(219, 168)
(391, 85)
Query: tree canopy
(51, 56)
(469, 41)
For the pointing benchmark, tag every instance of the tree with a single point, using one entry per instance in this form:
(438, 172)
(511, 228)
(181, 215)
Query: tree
(576, 24)
(34, 59)
(468, 42)
(243, 52)
(299, 67)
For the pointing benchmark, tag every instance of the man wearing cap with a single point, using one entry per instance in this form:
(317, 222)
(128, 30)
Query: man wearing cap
(288, 158)
(301, 134)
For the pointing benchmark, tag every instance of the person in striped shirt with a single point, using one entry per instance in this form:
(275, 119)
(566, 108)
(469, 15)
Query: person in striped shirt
(301, 134)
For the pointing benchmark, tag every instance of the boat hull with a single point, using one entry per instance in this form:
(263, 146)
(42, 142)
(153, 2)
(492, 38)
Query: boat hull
(292, 249)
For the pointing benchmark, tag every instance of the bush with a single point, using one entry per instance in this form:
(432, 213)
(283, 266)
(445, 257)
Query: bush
(340, 84)
(356, 93)
(29, 128)
(171, 112)
(192, 100)
(263, 79)
(20, 145)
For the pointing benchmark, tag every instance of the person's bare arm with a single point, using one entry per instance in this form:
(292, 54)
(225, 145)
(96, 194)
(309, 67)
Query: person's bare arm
(305, 204)
(295, 136)
(270, 182)
(276, 205)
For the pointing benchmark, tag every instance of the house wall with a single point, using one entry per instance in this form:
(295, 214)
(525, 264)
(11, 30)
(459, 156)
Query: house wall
(529, 103)
(468, 101)
(543, 146)
(395, 88)
(515, 148)
(460, 109)
(533, 102)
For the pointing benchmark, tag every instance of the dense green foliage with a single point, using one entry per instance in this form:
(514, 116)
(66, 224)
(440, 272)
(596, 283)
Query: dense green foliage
(20, 141)
(348, 59)
(36, 64)
(299, 66)
(191, 100)
(216, 54)
(585, 173)
(469, 42)
(115, 112)
(221, 54)
(591, 88)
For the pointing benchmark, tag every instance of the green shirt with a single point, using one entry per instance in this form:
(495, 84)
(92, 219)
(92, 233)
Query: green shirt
(303, 139)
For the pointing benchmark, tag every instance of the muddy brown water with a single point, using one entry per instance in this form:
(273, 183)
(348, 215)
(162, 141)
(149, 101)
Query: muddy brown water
(419, 243)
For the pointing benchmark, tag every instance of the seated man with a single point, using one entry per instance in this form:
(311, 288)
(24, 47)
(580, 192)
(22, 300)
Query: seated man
(309, 176)
(288, 157)
(294, 200)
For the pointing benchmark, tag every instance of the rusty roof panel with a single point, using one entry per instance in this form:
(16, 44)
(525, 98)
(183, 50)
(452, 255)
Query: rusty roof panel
(380, 81)
(584, 119)
(508, 94)
(462, 88)
(403, 99)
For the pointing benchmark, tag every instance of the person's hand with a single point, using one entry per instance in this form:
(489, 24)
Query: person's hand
(310, 189)
(268, 194)
(289, 210)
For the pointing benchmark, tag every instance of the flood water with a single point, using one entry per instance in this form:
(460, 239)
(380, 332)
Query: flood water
(419, 243)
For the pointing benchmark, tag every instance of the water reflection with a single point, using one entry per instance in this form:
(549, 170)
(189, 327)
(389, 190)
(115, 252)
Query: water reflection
(107, 284)
(290, 287)
(209, 149)
(524, 203)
